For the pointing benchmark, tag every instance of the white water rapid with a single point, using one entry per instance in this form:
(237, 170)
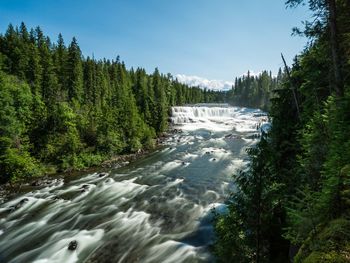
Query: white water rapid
(157, 209)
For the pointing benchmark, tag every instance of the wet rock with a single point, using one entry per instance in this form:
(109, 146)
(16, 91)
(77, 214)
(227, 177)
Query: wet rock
(11, 209)
(214, 159)
(36, 183)
(116, 166)
(102, 174)
(42, 182)
(84, 188)
(73, 245)
(256, 115)
(183, 163)
(24, 200)
(174, 131)
(207, 152)
(232, 137)
(18, 205)
(253, 136)
(122, 164)
(109, 180)
(21, 203)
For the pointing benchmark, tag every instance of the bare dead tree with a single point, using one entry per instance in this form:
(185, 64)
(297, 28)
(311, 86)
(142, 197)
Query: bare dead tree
(292, 88)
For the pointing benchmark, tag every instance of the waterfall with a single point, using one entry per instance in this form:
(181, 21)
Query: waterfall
(216, 117)
(200, 114)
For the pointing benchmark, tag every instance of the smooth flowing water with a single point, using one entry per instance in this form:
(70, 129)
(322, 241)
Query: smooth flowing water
(157, 209)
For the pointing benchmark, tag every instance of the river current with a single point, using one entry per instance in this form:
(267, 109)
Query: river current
(156, 209)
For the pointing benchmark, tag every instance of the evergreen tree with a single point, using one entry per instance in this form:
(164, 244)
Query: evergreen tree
(307, 155)
(74, 72)
(80, 111)
(160, 105)
(60, 60)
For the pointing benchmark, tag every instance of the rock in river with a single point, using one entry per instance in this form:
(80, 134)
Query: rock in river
(73, 245)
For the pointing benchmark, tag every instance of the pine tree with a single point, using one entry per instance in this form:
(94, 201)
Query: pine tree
(49, 83)
(74, 72)
(60, 61)
(160, 105)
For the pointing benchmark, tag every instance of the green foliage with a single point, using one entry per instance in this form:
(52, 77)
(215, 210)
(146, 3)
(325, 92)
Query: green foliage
(16, 164)
(303, 215)
(329, 244)
(65, 144)
(254, 91)
(75, 72)
(254, 213)
(15, 115)
(64, 111)
(231, 244)
(326, 257)
(307, 156)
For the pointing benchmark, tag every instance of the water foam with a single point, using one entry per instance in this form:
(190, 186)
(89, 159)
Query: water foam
(217, 118)
(156, 210)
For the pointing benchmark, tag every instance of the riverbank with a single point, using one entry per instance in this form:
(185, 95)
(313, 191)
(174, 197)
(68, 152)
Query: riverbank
(12, 189)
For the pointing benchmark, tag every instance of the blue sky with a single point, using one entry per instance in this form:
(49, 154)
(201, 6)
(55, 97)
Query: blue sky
(210, 39)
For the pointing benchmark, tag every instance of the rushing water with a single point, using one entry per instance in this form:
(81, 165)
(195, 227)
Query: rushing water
(157, 209)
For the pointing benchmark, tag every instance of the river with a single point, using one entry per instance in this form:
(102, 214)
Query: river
(156, 209)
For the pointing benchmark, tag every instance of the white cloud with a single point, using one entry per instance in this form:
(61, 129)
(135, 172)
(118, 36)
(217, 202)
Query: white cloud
(256, 74)
(251, 73)
(204, 83)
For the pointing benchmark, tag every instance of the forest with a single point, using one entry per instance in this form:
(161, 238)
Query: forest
(292, 203)
(254, 91)
(61, 111)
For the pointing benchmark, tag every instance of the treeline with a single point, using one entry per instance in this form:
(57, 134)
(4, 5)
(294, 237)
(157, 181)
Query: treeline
(254, 91)
(293, 201)
(59, 110)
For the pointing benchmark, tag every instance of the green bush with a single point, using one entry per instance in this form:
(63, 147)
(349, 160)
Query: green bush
(16, 165)
(331, 243)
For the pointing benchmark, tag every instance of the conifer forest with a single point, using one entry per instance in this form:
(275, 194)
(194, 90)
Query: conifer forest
(101, 161)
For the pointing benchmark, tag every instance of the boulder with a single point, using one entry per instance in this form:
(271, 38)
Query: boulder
(18, 205)
(73, 245)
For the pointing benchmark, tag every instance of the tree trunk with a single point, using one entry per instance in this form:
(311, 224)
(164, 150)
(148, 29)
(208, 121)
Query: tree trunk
(293, 88)
(258, 229)
(335, 48)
